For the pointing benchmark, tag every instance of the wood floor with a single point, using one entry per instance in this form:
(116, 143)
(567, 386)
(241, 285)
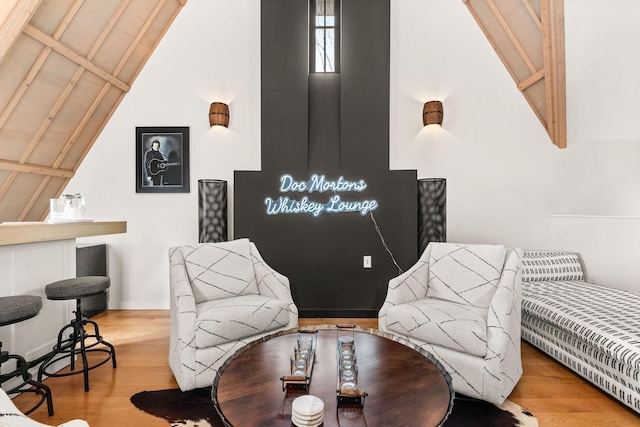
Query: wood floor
(551, 392)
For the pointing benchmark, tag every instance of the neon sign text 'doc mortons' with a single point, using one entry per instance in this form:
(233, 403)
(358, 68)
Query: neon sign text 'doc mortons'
(318, 184)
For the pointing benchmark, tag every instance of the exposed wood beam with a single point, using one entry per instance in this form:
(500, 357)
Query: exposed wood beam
(121, 64)
(33, 199)
(35, 140)
(38, 64)
(552, 17)
(531, 80)
(141, 34)
(49, 119)
(548, 101)
(24, 85)
(14, 15)
(32, 131)
(39, 170)
(490, 39)
(507, 29)
(89, 112)
(532, 13)
(63, 50)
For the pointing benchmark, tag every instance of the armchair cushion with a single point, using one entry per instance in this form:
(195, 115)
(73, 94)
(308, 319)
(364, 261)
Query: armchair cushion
(231, 319)
(220, 271)
(456, 326)
(465, 274)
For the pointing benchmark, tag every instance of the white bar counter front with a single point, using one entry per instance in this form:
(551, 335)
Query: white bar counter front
(33, 255)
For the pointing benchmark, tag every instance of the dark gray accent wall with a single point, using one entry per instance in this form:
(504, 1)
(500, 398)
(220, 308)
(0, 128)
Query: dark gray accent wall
(336, 125)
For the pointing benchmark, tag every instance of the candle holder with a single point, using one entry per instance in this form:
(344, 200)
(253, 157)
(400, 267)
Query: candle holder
(348, 390)
(301, 361)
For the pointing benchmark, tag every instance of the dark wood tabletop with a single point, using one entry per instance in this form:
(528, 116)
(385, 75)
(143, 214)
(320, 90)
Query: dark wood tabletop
(404, 386)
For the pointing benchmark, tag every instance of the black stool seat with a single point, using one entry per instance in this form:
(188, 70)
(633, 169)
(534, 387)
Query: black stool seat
(14, 309)
(77, 287)
(17, 308)
(73, 339)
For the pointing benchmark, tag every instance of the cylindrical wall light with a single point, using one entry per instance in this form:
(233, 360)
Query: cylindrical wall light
(219, 114)
(432, 113)
(212, 210)
(432, 211)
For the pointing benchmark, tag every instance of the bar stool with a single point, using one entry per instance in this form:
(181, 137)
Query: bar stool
(75, 343)
(14, 309)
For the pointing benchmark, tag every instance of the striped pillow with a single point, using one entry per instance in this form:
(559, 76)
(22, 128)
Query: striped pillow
(548, 266)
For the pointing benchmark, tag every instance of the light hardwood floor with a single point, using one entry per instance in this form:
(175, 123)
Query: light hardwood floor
(551, 392)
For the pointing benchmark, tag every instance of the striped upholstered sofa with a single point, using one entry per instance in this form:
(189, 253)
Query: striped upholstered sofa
(591, 329)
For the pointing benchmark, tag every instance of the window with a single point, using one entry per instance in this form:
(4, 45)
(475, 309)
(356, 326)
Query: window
(324, 50)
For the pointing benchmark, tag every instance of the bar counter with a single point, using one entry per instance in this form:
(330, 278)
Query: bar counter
(32, 255)
(30, 232)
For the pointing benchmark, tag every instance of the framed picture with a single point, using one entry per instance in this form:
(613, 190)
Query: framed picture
(162, 159)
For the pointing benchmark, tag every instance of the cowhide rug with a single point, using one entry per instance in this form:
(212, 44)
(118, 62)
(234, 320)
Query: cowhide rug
(194, 408)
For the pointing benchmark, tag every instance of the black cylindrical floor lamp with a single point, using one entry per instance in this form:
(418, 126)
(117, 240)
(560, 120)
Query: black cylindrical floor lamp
(212, 210)
(432, 211)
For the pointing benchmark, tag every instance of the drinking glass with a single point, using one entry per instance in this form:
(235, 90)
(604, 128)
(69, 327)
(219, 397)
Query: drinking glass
(298, 366)
(349, 377)
(304, 346)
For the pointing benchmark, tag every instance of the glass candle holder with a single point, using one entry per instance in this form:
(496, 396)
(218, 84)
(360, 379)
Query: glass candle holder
(349, 377)
(298, 366)
(304, 345)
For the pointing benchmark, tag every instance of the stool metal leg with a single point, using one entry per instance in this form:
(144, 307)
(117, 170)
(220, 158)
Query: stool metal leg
(75, 345)
(36, 387)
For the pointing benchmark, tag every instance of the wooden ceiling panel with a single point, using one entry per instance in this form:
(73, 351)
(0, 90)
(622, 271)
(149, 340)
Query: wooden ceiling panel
(132, 67)
(139, 14)
(4, 175)
(93, 121)
(15, 68)
(20, 192)
(63, 76)
(85, 30)
(536, 97)
(49, 14)
(10, 146)
(113, 50)
(506, 29)
(48, 188)
(158, 26)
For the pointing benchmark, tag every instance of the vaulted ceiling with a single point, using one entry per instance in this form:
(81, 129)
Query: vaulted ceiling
(65, 66)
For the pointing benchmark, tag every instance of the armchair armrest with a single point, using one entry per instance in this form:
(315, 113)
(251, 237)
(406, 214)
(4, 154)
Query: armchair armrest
(503, 324)
(412, 285)
(182, 311)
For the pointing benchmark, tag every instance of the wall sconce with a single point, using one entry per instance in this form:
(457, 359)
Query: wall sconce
(432, 113)
(219, 114)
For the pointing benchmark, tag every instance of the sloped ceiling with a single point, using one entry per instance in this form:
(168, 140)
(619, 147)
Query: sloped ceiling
(528, 36)
(65, 65)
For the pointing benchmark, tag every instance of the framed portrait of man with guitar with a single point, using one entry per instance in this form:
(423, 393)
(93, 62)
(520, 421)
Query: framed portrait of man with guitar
(162, 160)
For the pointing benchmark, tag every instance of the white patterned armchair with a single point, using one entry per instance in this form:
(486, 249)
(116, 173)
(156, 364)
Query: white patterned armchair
(223, 296)
(462, 303)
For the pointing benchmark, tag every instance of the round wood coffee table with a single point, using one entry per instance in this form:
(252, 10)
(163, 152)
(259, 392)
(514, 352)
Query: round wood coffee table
(404, 385)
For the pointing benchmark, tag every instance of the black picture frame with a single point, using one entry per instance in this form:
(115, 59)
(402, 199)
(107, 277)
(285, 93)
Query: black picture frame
(165, 170)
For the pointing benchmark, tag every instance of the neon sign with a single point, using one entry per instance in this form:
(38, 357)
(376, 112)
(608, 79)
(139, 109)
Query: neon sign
(318, 184)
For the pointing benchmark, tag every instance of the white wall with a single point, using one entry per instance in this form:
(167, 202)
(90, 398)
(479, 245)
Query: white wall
(210, 53)
(505, 179)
